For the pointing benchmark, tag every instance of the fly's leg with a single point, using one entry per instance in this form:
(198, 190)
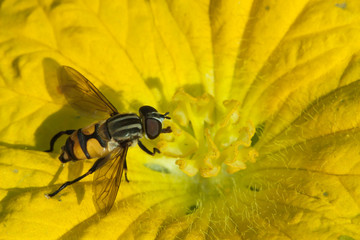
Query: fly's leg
(155, 150)
(166, 130)
(96, 166)
(125, 169)
(152, 153)
(56, 137)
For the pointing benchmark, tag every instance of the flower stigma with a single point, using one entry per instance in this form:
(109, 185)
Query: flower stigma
(208, 138)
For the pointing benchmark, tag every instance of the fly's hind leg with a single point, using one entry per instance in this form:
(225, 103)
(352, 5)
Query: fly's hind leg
(56, 137)
(100, 162)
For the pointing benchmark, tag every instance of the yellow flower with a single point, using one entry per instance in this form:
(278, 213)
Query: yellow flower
(264, 99)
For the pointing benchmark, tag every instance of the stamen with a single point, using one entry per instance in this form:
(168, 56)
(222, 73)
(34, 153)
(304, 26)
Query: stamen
(207, 137)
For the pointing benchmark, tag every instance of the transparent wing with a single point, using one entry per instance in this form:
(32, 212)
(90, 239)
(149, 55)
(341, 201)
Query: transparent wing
(107, 180)
(82, 94)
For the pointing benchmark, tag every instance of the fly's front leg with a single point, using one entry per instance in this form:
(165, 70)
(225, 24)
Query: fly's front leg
(56, 137)
(152, 153)
(166, 130)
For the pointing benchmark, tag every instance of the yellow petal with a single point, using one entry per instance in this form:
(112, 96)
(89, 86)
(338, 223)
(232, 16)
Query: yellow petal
(270, 89)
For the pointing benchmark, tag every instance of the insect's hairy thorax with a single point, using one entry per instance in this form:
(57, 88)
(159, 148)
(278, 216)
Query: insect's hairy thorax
(124, 127)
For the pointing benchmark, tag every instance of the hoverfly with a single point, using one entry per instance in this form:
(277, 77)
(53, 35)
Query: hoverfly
(107, 140)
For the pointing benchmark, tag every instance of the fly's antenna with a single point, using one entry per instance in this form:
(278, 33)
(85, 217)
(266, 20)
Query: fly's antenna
(165, 115)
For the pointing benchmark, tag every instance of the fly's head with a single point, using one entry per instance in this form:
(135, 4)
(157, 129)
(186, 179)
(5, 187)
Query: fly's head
(152, 122)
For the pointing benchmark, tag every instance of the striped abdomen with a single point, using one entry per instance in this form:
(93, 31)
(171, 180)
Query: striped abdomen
(98, 140)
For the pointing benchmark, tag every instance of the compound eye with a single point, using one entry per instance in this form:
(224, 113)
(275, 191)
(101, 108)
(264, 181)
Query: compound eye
(153, 128)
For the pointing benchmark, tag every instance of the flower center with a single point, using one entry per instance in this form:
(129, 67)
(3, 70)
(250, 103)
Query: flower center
(207, 136)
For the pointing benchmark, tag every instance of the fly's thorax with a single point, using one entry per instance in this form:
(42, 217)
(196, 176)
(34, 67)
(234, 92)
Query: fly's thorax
(124, 127)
